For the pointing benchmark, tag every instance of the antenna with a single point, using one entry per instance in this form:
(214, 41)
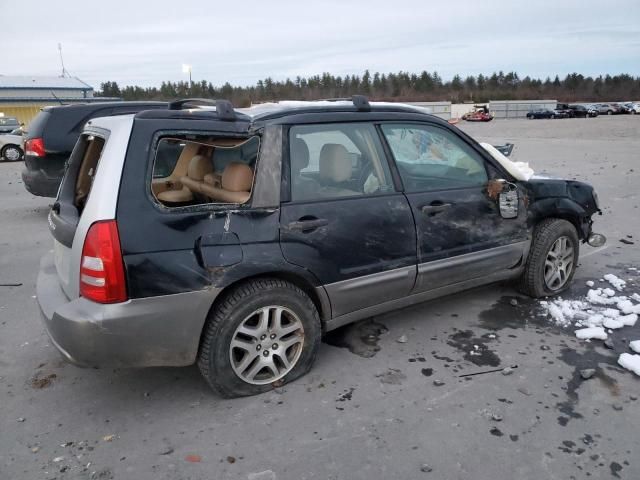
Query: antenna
(64, 71)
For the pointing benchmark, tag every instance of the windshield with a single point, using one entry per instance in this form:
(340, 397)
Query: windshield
(8, 121)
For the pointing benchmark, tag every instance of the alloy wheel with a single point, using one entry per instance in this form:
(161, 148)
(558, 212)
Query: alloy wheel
(12, 154)
(266, 345)
(559, 263)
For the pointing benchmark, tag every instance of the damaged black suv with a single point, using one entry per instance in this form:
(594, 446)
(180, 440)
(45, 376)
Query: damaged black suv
(235, 238)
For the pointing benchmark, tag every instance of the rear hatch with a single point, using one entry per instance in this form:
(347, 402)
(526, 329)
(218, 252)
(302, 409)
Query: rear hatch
(88, 193)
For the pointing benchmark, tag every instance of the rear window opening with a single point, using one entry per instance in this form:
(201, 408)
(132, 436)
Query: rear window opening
(92, 146)
(190, 170)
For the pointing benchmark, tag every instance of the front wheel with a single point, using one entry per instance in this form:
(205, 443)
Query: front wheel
(11, 153)
(264, 333)
(552, 260)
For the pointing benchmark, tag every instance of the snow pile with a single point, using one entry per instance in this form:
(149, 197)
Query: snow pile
(635, 346)
(600, 310)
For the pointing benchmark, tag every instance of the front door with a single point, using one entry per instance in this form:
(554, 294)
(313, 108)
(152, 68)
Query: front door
(344, 221)
(461, 234)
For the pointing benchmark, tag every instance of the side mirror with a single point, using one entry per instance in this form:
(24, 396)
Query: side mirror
(507, 197)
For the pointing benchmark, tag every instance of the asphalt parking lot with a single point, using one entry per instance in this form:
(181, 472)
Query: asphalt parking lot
(373, 407)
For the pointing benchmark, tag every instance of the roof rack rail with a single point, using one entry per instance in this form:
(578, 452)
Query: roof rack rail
(361, 102)
(224, 108)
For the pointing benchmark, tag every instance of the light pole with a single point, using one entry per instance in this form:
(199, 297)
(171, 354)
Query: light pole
(187, 69)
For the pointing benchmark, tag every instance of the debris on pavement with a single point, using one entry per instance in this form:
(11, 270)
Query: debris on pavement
(108, 438)
(193, 458)
(40, 382)
(21, 419)
(266, 475)
(426, 468)
(392, 376)
(587, 373)
(402, 339)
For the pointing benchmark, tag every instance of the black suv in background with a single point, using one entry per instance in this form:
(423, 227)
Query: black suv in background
(52, 135)
(277, 223)
(580, 111)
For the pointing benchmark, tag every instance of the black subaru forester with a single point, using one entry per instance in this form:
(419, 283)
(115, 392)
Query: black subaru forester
(235, 238)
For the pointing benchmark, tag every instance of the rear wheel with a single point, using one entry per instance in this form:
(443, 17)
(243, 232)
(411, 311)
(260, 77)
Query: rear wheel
(552, 259)
(609, 112)
(11, 153)
(264, 333)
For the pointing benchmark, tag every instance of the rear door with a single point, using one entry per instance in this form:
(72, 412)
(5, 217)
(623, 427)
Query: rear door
(461, 234)
(343, 219)
(71, 202)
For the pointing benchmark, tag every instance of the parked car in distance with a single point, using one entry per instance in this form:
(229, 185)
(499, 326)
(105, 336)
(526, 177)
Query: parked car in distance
(540, 113)
(276, 223)
(607, 108)
(581, 111)
(11, 149)
(563, 108)
(7, 124)
(630, 108)
(634, 108)
(562, 113)
(52, 135)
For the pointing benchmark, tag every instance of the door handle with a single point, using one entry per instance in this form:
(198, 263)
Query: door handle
(307, 225)
(435, 208)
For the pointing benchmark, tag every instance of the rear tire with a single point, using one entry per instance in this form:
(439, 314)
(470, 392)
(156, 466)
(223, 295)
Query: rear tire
(552, 260)
(11, 153)
(235, 341)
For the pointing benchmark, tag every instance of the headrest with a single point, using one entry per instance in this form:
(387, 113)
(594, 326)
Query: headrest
(199, 166)
(335, 163)
(299, 155)
(237, 177)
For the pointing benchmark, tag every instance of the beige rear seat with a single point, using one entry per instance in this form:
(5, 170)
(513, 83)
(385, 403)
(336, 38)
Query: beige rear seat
(235, 185)
(199, 167)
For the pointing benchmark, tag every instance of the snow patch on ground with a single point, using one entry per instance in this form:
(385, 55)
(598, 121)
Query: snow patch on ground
(591, 332)
(635, 346)
(615, 282)
(630, 362)
(600, 310)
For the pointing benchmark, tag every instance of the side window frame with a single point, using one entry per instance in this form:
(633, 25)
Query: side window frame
(201, 207)
(492, 168)
(286, 195)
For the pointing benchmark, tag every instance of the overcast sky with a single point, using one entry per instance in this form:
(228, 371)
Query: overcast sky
(145, 42)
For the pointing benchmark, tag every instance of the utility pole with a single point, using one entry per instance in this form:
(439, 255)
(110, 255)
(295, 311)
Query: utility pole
(64, 72)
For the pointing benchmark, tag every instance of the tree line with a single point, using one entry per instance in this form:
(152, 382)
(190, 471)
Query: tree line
(401, 86)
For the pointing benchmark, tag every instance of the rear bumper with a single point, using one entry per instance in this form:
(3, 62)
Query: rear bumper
(38, 183)
(145, 332)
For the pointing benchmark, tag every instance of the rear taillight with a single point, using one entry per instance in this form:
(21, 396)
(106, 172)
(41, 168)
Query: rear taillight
(101, 269)
(34, 147)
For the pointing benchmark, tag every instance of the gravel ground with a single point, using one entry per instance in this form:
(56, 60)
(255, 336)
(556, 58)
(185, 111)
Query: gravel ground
(378, 408)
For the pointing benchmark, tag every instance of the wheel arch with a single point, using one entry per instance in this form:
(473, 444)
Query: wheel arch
(317, 294)
(564, 209)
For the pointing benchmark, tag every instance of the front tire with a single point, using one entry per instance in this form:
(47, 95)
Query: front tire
(552, 260)
(11, 153)
(262, 334)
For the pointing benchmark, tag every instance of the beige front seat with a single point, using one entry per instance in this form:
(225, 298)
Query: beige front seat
(335, 169)
(199, 166)
(236, 183)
